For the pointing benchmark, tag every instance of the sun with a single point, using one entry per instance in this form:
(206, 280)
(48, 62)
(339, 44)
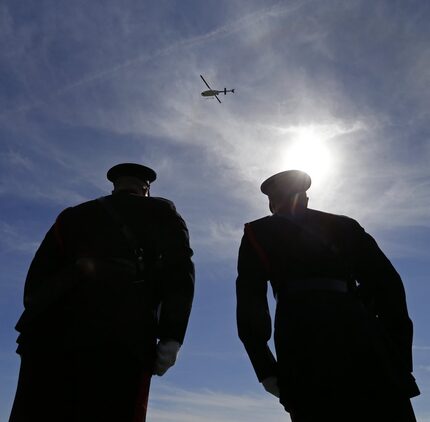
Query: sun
(308, 152)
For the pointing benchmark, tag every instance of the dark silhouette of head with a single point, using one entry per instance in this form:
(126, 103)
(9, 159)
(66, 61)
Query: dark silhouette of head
(287, 191)
(132, 178)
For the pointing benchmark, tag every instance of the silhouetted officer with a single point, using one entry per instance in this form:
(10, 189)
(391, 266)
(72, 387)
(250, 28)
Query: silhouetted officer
(342, 333)
(111, 277)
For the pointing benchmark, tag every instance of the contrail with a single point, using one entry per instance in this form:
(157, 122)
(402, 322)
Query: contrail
(226, 30)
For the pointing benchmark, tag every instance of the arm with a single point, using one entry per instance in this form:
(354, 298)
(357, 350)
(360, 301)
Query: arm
(253, 317)
(49, 277)
(176, 280)
(381, 282)
(176, 288)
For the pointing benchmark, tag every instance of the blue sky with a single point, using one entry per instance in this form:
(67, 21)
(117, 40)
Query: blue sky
(339, 89)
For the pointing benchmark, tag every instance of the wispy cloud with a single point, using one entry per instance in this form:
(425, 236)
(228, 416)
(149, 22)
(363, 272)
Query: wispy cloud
(16, 160)
(219, 239)
(169, 403)
(12, 240)
(421, 348)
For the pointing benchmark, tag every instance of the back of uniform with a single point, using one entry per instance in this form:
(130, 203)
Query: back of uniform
(342, 332)
(92, 310)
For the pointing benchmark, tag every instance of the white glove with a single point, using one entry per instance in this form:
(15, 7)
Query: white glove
(270, 384)
(166, 353)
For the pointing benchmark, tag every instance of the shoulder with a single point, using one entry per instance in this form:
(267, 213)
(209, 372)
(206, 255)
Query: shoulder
(329, 219)
(163, 208)
(260, 227)
(162, 203)
(261, 221)
(78, 210)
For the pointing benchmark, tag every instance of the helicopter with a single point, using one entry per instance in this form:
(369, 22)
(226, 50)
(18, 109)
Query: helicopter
(214, 92)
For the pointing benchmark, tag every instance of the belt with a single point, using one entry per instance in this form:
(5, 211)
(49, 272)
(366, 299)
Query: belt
(308, 284)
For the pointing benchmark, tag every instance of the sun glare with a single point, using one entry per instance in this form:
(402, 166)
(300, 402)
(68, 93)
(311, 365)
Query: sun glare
(308, 152)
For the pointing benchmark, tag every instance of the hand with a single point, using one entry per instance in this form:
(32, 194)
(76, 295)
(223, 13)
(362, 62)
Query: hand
(270, 384)
(166, 353)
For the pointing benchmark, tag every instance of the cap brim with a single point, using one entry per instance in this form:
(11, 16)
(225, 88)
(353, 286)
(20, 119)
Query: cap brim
(286, 182)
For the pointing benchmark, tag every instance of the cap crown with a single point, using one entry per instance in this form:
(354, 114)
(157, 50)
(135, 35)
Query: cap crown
(131, 169)
(287, 183)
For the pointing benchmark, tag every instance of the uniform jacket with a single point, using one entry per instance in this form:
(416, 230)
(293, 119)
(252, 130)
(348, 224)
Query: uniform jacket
(67, 304)
(314, 245)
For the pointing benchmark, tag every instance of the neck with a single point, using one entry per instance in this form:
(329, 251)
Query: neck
(292, 212)
(128, 191)
(290, 205)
